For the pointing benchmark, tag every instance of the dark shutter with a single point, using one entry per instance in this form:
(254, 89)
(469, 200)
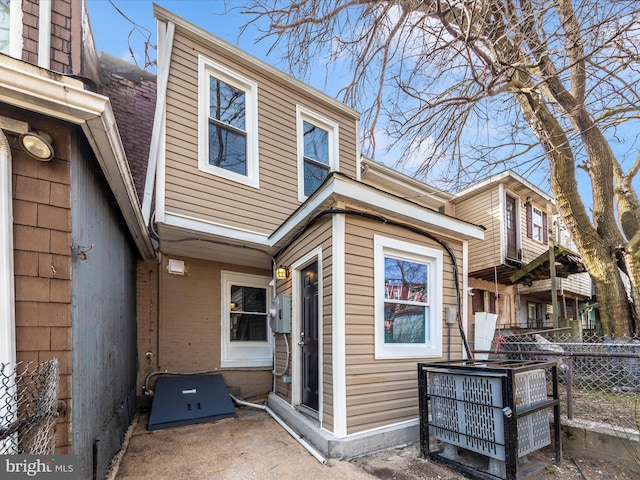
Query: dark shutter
(477, 300)
(545, 231)
(492, 302)
(529, 221)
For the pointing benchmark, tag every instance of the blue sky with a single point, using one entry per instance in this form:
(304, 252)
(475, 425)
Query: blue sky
(115, 34)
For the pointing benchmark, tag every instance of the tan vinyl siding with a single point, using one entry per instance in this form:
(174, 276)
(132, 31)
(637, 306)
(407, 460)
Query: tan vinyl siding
(210, 198)
(531, 248)
(317, 236)
(189, 338)
(483, 209)
(382, 391)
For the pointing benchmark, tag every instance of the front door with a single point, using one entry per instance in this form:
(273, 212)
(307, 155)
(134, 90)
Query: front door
(309, 336)
(512, 243)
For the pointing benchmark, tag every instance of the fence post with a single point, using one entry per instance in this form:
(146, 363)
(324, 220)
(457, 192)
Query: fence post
(569, 378)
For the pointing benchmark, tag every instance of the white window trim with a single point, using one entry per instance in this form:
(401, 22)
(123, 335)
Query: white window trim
(15, 29)
(305, 115)
(535, 209)
(208, 68)
(414, 253)
(243, 354)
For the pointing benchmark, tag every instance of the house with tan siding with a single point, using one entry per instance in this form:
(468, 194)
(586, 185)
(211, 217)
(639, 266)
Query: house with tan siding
(288, 264)
(71, 233)
(521, 225)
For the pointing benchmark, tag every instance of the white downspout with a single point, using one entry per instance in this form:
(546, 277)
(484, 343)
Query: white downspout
(7, 289)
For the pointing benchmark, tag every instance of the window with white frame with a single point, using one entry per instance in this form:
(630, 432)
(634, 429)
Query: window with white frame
(11, 27)
(5, 26)
(317, 151)
(538, 228)
(228, 131)
(246, 336)
(408, 299)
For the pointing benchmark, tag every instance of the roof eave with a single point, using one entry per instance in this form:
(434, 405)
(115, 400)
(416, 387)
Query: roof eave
(55, 95)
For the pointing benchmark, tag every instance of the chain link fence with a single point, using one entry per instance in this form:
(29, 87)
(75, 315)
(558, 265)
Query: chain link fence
(28, 407)
(599, 376)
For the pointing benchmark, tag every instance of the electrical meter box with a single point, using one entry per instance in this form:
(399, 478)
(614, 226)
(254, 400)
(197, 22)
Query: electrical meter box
(281, 314)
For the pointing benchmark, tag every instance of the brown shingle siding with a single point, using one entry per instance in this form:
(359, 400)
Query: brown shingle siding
(62, 7)
(31, 189)
(42, 256)
(55, 218)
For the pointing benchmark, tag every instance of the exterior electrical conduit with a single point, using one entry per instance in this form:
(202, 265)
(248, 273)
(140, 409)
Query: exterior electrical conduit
(317, 455)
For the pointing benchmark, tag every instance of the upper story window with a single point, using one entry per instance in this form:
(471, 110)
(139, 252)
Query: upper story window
(537, 224)
(408, 299)
(317, 151)
(228, 133)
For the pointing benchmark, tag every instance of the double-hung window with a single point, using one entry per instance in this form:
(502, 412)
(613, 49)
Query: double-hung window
(537, 224)
(317, 151)
(246, 336)
(408, 299)
(228, 144)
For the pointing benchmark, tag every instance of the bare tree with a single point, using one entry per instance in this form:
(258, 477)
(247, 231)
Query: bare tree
(553, 83)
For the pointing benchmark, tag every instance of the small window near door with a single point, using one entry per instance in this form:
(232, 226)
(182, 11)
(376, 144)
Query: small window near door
(248, 322)
(246, 336)
(408, 299)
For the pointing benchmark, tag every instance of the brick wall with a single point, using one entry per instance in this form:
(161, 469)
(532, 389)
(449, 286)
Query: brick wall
(132, 92)
(61, 33)
(42, 256)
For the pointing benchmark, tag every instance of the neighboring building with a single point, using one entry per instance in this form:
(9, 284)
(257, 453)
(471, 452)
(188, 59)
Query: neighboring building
(521, 224)
(71, 229)
(260, 192)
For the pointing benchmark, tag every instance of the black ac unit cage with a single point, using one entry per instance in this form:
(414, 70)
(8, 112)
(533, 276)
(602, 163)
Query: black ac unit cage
(484, 417)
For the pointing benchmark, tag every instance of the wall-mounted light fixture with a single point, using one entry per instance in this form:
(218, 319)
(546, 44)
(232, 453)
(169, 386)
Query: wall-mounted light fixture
(529, 200)
(282, 272)
(176, 267)
(38, 145)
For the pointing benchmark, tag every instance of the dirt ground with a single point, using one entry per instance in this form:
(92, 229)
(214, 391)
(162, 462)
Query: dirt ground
(254, 446)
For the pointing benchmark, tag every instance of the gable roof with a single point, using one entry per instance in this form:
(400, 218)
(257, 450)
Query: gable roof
(246, 59)
(511, 179)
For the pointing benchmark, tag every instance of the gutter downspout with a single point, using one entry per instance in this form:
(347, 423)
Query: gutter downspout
(7, 281)
(8, 412)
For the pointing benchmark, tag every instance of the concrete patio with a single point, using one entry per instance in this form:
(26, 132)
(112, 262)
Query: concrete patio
(254, 445)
